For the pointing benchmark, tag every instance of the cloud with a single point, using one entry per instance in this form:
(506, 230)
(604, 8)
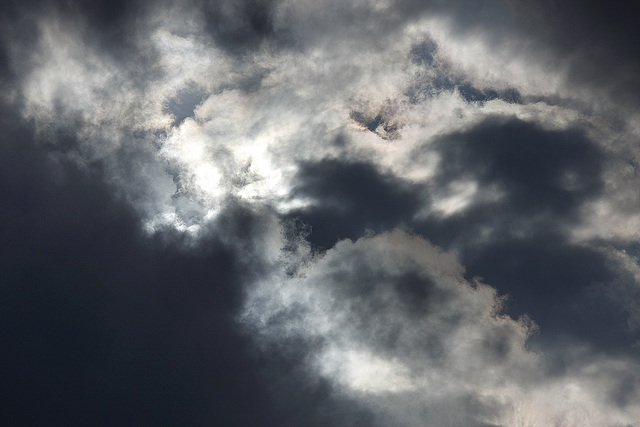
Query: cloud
(254, 112)
(179, 179)
(103, 323)
(596, 41)
(538, 169)
(87, 328)
(393, 322)
(347, 199)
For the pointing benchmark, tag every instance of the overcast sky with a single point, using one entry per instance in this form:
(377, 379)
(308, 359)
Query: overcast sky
(320, 213)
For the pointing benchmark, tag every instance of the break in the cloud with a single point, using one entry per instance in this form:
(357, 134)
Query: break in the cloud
(220, 212)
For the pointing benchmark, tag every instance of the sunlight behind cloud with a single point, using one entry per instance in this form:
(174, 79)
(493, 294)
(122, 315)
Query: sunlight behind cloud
(380, 212)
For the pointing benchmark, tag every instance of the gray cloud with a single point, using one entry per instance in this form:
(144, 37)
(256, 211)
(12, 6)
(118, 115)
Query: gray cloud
(395, 324)
(179, 178)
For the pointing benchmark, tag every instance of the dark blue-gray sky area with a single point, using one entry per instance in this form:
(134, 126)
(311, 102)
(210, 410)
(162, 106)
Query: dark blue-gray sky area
(102, 323)
(103, 326)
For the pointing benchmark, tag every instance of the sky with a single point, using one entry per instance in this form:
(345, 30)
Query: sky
(320, 213)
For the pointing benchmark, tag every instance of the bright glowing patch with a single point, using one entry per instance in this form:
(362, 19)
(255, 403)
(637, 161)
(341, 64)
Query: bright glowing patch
(460, 196)
(364, 372)
(208, 179)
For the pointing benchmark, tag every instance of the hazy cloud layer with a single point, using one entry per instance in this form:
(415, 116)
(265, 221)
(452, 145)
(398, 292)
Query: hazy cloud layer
(380, 212)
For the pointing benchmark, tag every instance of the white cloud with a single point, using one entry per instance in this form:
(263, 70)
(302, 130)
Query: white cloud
(300, 105)
(248, 143)
(398, 323)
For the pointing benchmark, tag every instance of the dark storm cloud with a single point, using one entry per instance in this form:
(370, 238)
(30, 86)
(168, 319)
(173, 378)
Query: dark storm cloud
(16, 30)
(235, 25)
(546, 275)
(240, 26)
(555, 282)
(601, 38)
(101, 325)
(398, 326)
(540, 179)
(349, 198)
(596, 40)
(544, 178)
(541, 171)
(111, 312)
(111, 22)
(518, 242)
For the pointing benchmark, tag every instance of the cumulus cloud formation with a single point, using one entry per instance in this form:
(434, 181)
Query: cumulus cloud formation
(393, 322)
(380, 212)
